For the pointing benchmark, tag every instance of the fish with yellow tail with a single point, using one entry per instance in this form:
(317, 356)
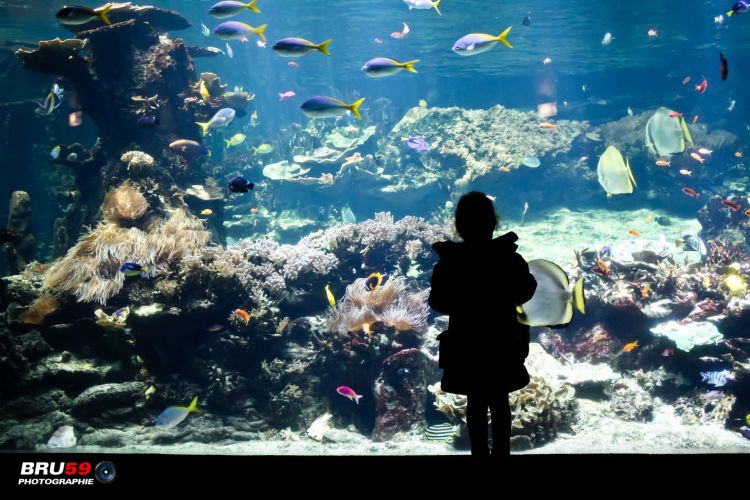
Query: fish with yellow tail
(384, 66)
(222, 118)
(553, 300)
(235, 30)
(423, 5)
(629, 347)
(330, 297)
(476, 43)
(373, 281)
(174, 415)
(74, 16)
(203, 91)
(329, 107)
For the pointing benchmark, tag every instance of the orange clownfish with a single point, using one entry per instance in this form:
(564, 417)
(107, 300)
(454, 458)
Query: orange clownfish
(629, 347)
(373, 281)
(243, 315)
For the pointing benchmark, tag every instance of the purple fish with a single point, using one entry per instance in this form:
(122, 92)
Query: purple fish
(418, 144)
(240, 185)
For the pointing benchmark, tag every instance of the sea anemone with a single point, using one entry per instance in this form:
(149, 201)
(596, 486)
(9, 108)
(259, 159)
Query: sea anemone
(124, 204)
(39, 309)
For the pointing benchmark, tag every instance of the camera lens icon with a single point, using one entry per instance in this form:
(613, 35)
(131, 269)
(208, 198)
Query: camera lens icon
(105, 472)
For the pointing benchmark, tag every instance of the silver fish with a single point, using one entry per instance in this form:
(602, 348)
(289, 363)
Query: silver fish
(204, 30)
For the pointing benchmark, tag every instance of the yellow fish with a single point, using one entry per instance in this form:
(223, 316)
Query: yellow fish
(204, 92)
(422, 103)
(254, 116)
(235, 140)
(629, 347)
(207, 211)
(331, 298)
(262, 149)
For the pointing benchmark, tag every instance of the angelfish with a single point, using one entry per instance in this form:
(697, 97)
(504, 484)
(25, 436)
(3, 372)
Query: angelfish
(174, 415)
(553, 300)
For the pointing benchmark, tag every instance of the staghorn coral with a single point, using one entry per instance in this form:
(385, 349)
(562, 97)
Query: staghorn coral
(42, 307)
(90, 270)
(390, 304)
(124, 204)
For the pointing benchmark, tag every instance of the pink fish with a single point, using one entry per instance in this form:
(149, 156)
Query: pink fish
(293, 64)
(75, 119)
(348, 392)
(286, 95)
(244, 40)
(702, 87)
(401, 34)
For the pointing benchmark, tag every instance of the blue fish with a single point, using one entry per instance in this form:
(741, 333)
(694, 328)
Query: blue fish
(328, 107)
(526, 21)
(148, 121)
(403, 372)
(234, 30)
(717, 378)
(240, 185)
(739, 8)
(230, 8)
(132, 269)
(298, 47)
(418, 144)
(383, 66)
(476, 43)
(174, 415)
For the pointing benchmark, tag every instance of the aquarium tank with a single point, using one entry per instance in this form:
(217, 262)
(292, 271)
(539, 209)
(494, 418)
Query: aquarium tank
(220, 219)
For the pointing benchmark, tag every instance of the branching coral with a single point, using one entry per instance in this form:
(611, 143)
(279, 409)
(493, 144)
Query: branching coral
(39, 309)
(91, 269)
(124, 204)
(137, 160)
(390, 304)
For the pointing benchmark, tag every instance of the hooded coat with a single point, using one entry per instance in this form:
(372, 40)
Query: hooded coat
(479, 285)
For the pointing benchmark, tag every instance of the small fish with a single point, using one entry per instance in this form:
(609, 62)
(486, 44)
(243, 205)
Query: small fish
(735, 283)
(705, 151)
(347, 216)
(695, 156)
(52, 101)
(630, 111)
(401, 34)
(150, 391)
(693, 243)
(731, 205)
(72, 157)
(418, 144)
(740, 7)
(662, 163)
(254, 210)
(546, 125)
(75, 119)
(644, 291)
(240, 185)
(74, 16)
(695, 119)
(373, 281)
(132, 269)
(263, 149)
(491, 198)
(675, 114)
(730, 108)
(382, 66)
(719, 19)
(235, 140)
(607, 39)
(148, 121)
(204, 30)
(715, 378)
(690, 192)
(189, 148)
(286, 95)
(254, 117)
(6, 235)
(261, 44)
(348, 392)
(203, 91)
(546, 60)
(229, 8)
(702, 87)
(505, 168)
(293, 64)
(243, 315)
(603, 267)
(329, 107)
(298, 47)
(667, 352)
(747, 212)
(174, 415)
(329, 296)
(221, 118)
(207, 211)
(685, 171)
(234, 30)
(229, 52)
(584, 88)
(402, 372)
(377, 41)
(747, 419)
(422, 103)
(634, 232)
(423, 5)
(723, 67)
(55, 153)
(526, 21)
(686, 80)
(738, 154)
(629, 347)
(652, 32)
(217, 327)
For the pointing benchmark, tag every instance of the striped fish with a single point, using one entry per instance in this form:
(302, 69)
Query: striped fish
(717, 379)
(440, 432)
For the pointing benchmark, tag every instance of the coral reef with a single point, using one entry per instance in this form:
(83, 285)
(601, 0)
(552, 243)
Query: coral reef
(124, 205)
(38, 310)
(19, 251)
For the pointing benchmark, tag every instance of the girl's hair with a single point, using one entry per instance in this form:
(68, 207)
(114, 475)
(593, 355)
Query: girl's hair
(475, 217)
